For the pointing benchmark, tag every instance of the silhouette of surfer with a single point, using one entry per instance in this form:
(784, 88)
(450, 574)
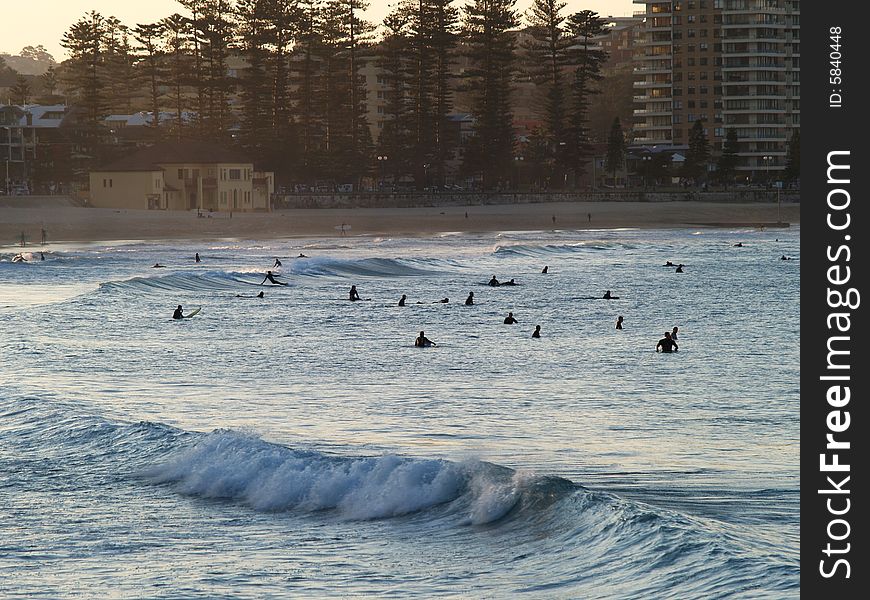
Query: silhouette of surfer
(277, 263)
(196, 257)
(546, 268)
(674, 333)
(537, 332)
(354, 295)
(667, 344)
(494, 282)
(669, 264)
(509, 320)
(260, 295)
(422, 341)
(158, 266)
(511, 282)
(402, 300)
(178, 314)
(270, 277)
(470, 300)
(679, 269)
(619, 322)
(442, 301)
(608, 296)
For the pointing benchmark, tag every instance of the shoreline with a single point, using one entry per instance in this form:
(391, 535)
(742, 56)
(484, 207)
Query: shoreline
(76, 224)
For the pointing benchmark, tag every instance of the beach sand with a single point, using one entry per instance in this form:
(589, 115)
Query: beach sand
(75, 224)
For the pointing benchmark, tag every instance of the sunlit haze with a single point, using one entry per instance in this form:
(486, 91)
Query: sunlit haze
(24, 24)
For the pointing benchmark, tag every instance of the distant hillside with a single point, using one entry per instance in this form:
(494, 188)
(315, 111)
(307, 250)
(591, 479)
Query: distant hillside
(26, 66)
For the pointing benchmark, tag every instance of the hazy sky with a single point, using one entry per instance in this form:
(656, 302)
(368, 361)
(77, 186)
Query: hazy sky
(25, 24)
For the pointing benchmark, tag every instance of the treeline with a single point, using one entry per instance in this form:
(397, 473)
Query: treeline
(298, 106)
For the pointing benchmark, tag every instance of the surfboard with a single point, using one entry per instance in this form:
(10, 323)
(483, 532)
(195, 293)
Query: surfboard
(192, 313)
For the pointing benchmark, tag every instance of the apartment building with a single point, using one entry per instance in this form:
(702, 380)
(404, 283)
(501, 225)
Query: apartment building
(733, 64)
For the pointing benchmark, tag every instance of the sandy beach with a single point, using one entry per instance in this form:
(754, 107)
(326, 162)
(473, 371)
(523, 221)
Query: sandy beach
(75, 224)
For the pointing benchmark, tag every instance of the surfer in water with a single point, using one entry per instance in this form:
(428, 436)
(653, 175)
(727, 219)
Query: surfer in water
(509, 320)
(738, 245)
(442, 301)
(679, 269)
(422, 341)
(667, 344)
(270, 277)
(545, 269)
(494, 282)
(277, 263)
(260, 295)
(674, 333)
(178, 314)
(158, 266)
(669, 264)
(402, 300)
(537, 332)
(470, 300)
(196, 258)
(608, 296)
(619, 322)
(511, 282)
(354, 295)
(301, 256)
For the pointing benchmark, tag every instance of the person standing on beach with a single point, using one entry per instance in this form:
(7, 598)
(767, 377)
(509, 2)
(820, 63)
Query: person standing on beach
(509, 320)
(354, 295)
(470, 300)
(537, 332)
(271, 278)
(619, 322)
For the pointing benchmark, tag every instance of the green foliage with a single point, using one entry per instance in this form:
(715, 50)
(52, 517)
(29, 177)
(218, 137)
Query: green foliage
(615, 158)
(698, 156)
(727, 164)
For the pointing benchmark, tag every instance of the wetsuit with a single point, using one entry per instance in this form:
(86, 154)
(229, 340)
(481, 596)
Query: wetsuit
(493, 282)
(354, 295)
(536, 333)
(509, 320)
(177, 314)
(667, 345)
(402, 301)
(271, 278)
(422, 342)
(470, 300)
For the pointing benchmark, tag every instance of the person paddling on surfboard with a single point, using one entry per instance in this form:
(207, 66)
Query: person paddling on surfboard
(178, 314)
(354, 295)
(270, 277)
(422, 341)
(608, 296)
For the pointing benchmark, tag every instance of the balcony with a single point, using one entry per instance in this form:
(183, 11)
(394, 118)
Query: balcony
(651, 84)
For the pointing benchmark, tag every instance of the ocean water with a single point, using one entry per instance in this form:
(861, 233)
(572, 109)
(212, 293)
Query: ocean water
(299, 445)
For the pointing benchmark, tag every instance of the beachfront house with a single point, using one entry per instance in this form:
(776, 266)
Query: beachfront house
(188, 175)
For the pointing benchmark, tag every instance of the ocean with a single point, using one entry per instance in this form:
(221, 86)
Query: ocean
(298, 445)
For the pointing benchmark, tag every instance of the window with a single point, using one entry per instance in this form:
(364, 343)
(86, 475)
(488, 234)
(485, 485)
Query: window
(704, 47)
(235, 174)
(690, 33)
(678, 118)
(703, 61)
(691, 90)
(703, 33)
(704, 104)
(690, 48)
(678, 104)
(690, 104)
(110, 183)
(690, 18)
(719, 132)
(705, 89)
(181, 173)
(690, 76)
(690, 61)
(104, 183)
(703, 75)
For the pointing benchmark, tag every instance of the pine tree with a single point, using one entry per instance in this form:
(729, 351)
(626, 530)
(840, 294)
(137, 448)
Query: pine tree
(305, 74)
(698, 156)
(489, 46)
(20, 92)
(395, 143)
(443, 19)
(177, 32)
(615, 158)
(49, 80)
(254, 89)
(586, 60)
(727, 165)
(545, 60)
(85, 74)
(118, 63)
(148, 36)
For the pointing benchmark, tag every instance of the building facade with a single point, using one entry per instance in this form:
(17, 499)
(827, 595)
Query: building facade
(733, 64)
(182, 176)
